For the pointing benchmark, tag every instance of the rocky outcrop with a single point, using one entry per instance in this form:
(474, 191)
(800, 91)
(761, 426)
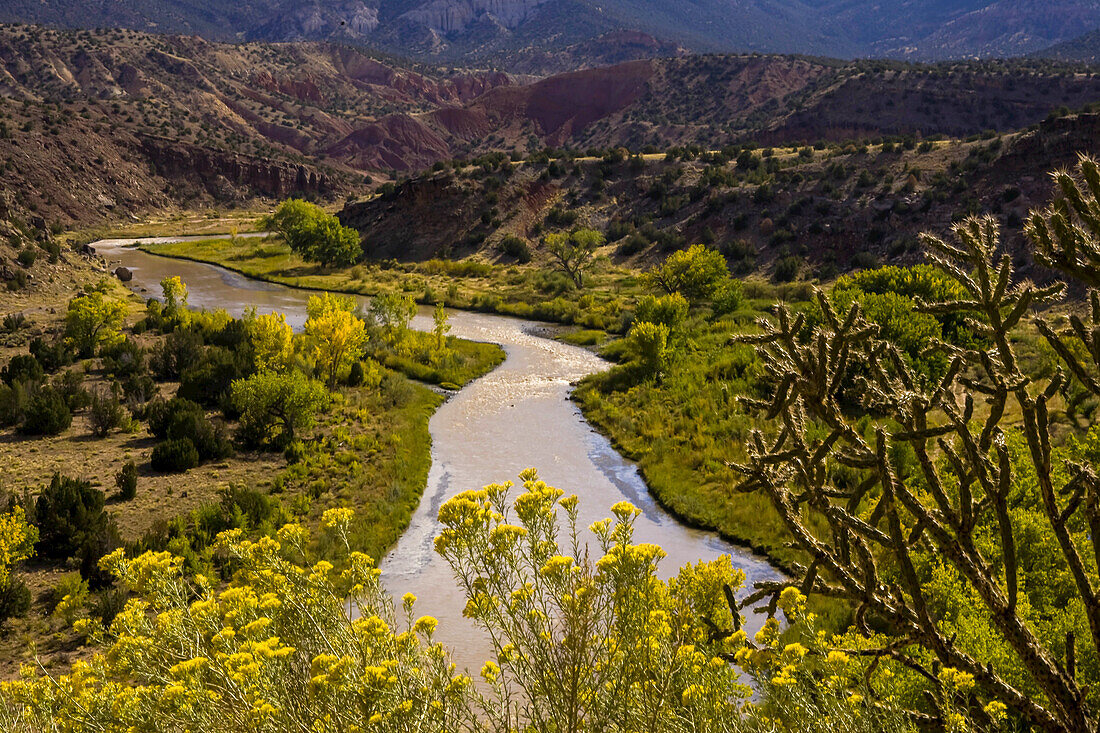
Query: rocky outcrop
(349, 19)
(452, 16)
(245, 175)
(397, 142)
(441, 206)
(566, 104)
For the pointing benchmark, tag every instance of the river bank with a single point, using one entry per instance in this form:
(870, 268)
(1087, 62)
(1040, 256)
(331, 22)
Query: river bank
(517, 416)
(506, 289)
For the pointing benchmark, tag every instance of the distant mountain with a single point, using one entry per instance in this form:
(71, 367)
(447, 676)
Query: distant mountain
(516, 33)
(1084, 49)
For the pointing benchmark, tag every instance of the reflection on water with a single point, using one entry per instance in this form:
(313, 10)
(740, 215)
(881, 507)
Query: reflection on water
(516, 417)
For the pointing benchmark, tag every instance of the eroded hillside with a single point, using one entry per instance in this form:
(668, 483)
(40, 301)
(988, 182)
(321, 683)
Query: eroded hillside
(784, 212)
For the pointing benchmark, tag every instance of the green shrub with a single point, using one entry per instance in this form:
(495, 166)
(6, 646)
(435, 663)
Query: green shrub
(72, 522)
(182, 419)
(174, 456)
(124, 358)
(208, 380)
(787, 269)
(70, 385)
(46, 413)
(52, 356)
(728, 298)
(864, 261)
(14, 322)
(126, 481)
(648, 345)
(515, 247)
(106, 413)
(15, 600)
(171, 357)
(139, 389)
(160, 414)
(13, 403)
(22, 368)
(109, 604)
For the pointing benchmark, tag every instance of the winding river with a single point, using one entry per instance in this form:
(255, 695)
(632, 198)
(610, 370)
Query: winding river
(517, 416)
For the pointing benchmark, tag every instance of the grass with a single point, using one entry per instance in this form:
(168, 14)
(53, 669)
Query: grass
(584, 337)
(524, 291)
(371, 453)
(682, 430)
(462, 362)
(175, 224)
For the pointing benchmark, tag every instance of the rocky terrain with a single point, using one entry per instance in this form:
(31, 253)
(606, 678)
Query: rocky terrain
(517, 33)
(857, 205)
(110, 124)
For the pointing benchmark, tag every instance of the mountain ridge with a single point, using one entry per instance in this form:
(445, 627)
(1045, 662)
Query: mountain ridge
(499, 31)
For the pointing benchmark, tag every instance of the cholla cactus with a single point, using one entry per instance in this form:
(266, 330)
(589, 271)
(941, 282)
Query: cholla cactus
(864, 520)
(1067, 234)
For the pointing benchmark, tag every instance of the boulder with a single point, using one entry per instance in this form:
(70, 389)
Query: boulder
(124, 274)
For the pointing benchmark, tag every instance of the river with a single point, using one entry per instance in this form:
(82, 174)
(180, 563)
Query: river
(517, 416)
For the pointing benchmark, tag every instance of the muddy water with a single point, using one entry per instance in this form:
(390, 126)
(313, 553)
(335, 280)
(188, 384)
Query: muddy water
(516, 417)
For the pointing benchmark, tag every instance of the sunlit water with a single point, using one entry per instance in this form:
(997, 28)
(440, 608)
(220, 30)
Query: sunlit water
(516, 417)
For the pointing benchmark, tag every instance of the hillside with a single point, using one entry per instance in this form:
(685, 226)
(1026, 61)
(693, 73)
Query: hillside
(512, 33)
(1082, 49)
(780, 212)
(113, 123)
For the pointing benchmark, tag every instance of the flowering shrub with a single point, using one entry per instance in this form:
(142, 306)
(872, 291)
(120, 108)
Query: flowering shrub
(274, 651)
(582, 645)
(579, 644)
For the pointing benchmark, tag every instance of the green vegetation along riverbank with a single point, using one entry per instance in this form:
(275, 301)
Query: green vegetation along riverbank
(523, 291)
(156, 426)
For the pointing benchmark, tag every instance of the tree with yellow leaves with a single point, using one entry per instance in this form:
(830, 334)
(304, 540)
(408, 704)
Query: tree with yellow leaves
(175, 296)
(93, 319)
(336, 333)
(272, 342)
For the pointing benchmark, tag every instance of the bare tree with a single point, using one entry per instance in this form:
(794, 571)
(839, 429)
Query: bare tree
(861, 536)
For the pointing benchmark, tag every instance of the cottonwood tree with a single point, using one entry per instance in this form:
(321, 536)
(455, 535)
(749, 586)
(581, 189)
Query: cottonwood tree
(337, 334)
(276, 406)
(695, 273)
(272, 342)
(442, 327)
(315, 234)
(392, 312)
(175, 296)
(951, 510)
(93, 319)
(574, 253)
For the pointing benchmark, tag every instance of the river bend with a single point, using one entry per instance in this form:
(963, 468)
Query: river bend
(516, 417)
